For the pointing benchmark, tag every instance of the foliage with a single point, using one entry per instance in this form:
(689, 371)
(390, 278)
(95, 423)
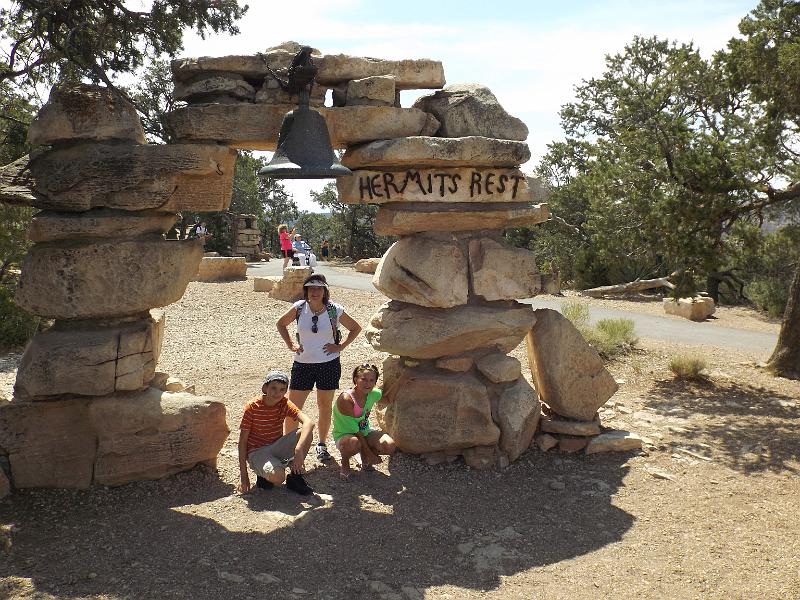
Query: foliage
(16, 325)
(51, 40)
(610, 337)
(314, 228)
(247, 185)
(279, 207)
(687, 367)
(152, 94)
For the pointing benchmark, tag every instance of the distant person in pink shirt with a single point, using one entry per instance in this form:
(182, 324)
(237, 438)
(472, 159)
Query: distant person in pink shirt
(286, 243)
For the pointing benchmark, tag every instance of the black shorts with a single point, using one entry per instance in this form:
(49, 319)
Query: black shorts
(325, 375)
(287, 253)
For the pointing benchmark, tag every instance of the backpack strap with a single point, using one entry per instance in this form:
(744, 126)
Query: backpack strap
(337, 336)
(297, 312)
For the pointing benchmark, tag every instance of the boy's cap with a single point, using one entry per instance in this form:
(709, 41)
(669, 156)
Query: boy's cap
(276, 376)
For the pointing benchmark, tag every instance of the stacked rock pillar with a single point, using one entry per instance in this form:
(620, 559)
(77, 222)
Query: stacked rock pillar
(450, 387)
(83, 410)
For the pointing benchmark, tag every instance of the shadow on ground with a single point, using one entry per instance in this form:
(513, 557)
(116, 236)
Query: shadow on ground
(417, 527)
(746, 427)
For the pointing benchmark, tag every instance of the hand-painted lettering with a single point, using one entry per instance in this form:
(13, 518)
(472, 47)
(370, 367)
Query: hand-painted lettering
(474, 182)
(375, 182)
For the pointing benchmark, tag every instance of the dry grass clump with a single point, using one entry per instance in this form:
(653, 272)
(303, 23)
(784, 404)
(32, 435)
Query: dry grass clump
(610, 337)
(689, 368)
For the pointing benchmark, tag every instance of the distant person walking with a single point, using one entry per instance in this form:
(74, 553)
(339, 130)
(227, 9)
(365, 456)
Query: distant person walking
(286, 243)
(324, 250)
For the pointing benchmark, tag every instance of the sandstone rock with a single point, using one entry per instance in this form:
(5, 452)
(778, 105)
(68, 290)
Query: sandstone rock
(49, 444)
(413, 218)
(256, 126)
(424, 272)
(545, 441)
(85, 112)
(228, 84)
(221, 268)
(290, 287)
(500, 272)
(272, 93)
(614, 441)
(48, 226)
(499, 368)
(433, 333)
(517, 413)
(264, 284)
(453, 185)
(377, 90)
(568, 373)
(159, 380)
(420, 152)
(567, 443)
(433, 412)
(173, 384)
(168, 177)
(698, 308)
(153, 434)
(470, 109)
(17, 184)
(5, 485)
(367, 265)
(90, 360)
(457, 364)
(564, 426)
(539, 192)
(105, 279)
(480, 457)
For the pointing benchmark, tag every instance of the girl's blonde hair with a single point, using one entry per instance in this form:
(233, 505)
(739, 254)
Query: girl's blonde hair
(282, 227)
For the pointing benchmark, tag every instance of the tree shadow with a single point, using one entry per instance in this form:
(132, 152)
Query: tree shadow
(420, 526)
(746, 427)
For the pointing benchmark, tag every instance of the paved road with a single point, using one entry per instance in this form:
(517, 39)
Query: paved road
(647, 326)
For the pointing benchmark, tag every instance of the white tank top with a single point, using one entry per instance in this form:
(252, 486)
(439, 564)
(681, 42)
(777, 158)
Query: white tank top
(313, 342)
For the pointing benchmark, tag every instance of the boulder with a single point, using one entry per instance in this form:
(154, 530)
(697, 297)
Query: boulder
(221, 268)
(457, 364)
(377, 90)
(367, 265)
(568, 373)
(555, 424)
(154, 434)
(498, 367)
(49, 226)
(214, 84)
(568, 443)
(424, 151)
(256, 126)
(516, 411)
(90, 360)
(501, 272)
(420, 332)
(272, 93)
(614, 441)
(85, 112)
(471, 109)
(433, 412)
(425, 272)
(453, 185)
(698, 308)
(105, 279)
(49, 444)
(413, 218)
(290, 287)
(264, 284)
(168, 178)
(545, 441)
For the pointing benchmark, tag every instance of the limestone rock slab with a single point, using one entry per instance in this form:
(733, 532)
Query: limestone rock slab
(570, 427)
(50, 226)
(425, 151)
(569, 374)
(419, 332)
(90, 361)
(290, 287)
(105, 278)
(424, 272)
(17, 184)
(501, 272)
(272, 93)
(85, 112)
(457, 364)
(451, 185)
(378, 90)
(153, 434)
(498, 367)
(264, 284)
(517, 412)
(221, 268)
(367, 265)
(256, 126)
(698, 308)
(170, 177)
(614, 441)
(414, 218)
(49, 444)
(432, 412)
(471, 109)
(228, 84)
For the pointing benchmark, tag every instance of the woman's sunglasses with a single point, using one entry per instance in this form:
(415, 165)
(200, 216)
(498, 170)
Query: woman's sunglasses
(314, 321)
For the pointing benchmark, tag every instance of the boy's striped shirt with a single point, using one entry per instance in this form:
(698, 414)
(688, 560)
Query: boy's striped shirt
(266, 422)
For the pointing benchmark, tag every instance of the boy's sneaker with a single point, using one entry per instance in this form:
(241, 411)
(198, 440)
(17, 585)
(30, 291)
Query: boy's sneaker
(322, 453)
(263, 483)
(296, 483)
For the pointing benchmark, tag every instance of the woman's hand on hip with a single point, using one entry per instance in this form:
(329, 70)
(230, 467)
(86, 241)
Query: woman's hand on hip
(296, 348)
(332, 348)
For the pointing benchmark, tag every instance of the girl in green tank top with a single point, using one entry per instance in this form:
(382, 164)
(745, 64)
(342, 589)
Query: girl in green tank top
(351, 429)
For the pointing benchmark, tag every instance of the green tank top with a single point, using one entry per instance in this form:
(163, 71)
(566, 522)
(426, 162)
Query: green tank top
(344, 425)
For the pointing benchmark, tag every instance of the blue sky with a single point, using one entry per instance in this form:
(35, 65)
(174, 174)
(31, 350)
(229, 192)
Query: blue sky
(530, 54)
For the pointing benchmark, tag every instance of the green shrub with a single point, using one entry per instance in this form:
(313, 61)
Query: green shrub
(16, 325)
(577, 313)
(610, 337)
(769, 295)
(687, 367)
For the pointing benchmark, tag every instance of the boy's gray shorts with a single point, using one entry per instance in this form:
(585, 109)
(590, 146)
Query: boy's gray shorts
(276, 457)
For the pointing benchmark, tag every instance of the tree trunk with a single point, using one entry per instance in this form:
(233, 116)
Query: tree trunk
(785, 359)
(350, 238)
(625, 288)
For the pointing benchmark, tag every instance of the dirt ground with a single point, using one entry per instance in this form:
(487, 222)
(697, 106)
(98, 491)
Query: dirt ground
(709, 508)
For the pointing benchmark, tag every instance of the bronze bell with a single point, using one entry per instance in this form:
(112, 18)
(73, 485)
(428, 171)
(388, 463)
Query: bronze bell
(304, 148)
